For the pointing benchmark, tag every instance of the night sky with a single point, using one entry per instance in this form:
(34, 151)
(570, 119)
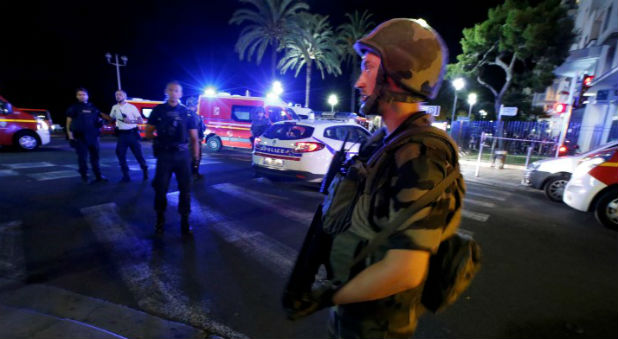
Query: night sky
(50, 48)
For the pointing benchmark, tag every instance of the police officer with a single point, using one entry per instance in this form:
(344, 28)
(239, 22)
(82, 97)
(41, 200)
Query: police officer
(403, 62)
(199, 123)
(127, 117)
(174, 146)
(83, 123)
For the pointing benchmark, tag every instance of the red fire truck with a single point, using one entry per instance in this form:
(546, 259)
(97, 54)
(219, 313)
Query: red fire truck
(20, 129)
(228, 118)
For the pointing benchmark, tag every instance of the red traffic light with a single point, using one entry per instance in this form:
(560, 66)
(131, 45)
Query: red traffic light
(587, 80)
(560, 108)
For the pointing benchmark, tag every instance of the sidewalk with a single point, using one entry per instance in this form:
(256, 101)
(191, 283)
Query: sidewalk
(510, 176)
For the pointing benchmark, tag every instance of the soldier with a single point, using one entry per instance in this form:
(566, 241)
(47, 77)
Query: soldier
(174, 146)
(403, 62)
(127, 117)
(199, 123)
(83, 124)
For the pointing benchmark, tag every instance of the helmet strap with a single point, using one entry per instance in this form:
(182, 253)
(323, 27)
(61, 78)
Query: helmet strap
(390, 96)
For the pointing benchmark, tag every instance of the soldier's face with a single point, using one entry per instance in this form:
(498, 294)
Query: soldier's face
(120, 96)
(366, 82)
(82, 96)
(173, 92)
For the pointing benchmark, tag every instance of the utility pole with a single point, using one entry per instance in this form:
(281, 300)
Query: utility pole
(123, 58)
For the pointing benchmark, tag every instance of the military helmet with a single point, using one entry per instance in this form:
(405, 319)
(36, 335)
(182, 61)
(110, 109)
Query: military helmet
(412, 54)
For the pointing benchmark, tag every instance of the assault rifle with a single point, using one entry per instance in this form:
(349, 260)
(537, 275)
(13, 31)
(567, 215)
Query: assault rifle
(336, 164)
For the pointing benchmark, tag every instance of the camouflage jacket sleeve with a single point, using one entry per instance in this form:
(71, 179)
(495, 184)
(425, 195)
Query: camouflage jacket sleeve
(416, 168)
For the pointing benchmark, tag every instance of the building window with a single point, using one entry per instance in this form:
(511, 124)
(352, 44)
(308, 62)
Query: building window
(606, 24)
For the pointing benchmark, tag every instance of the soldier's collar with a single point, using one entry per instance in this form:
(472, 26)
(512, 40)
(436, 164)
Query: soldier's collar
(405, 125)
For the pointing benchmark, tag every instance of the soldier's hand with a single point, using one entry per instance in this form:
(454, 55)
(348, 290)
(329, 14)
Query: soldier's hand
(320, 297)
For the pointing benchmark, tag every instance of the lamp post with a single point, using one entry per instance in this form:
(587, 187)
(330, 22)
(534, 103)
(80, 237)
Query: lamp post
(483, 114)
(458, 84)
(471, 102)
(332, 101)
(123, 58)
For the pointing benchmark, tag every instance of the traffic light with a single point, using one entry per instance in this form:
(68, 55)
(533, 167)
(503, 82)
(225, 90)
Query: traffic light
(586, 82)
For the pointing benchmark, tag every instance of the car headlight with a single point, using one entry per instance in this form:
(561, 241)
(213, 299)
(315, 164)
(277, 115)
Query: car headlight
(42, 125)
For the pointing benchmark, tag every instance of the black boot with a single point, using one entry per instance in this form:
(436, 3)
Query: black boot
(84, 178)
(99, 178)
(125, 177)
(185, 228)
(160, 223)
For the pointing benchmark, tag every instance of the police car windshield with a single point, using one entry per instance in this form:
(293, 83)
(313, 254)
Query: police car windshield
(288, 131)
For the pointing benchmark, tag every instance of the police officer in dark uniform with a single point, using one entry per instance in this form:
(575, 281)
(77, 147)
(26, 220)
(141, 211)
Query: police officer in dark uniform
(199, 123)
(174, 146)
(83, 124)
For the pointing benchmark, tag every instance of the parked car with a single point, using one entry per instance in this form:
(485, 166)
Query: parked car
(21, 130)
(552, 175)
(304, 149)
(594, 186)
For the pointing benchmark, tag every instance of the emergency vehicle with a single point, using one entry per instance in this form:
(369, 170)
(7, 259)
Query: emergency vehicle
(304, 149)
(228, 118)
(594, 186)
(144, 107)
(20, 129)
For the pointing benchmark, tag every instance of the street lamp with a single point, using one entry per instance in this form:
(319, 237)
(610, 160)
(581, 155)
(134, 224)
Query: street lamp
(483, 114)
(471, 102)
(458, 84)
(123, 58)
(332, 101)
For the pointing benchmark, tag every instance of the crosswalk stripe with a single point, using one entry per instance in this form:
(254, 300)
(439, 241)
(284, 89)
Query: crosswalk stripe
(482, 217)
(30, 165)
(8, 173)
(479, 203)
(12, 257)
(483, 195)
(276, 256)
(255, 197)
(142, 278)
(53, 175)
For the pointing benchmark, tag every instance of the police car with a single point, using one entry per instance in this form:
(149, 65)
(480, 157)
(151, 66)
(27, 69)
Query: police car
(304, 149)
(594, 186)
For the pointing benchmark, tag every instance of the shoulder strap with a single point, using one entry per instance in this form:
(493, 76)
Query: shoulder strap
(424, 200)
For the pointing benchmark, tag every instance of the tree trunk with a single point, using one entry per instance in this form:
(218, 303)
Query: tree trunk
(353, 78)
(308, 83)
(273, 62)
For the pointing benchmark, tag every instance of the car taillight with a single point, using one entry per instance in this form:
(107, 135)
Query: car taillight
(562, 150)
(304, 147)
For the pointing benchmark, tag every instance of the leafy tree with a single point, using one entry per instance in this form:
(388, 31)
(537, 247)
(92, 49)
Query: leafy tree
(267, 25)
(311, 44)
(517, 47)
(358, 25)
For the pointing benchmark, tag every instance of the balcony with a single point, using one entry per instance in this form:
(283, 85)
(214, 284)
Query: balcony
(579, 60)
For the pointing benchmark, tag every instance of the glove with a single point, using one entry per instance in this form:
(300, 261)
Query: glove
(320, 297)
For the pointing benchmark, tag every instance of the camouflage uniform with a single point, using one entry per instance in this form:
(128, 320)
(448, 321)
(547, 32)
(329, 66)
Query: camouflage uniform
(390, 188)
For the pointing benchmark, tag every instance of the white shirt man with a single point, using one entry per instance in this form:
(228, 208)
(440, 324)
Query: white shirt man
(127, 115)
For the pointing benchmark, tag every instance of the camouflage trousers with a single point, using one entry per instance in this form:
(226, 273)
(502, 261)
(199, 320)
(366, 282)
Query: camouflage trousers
(349, 328)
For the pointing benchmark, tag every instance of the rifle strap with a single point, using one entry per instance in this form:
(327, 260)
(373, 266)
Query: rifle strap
(423, 201)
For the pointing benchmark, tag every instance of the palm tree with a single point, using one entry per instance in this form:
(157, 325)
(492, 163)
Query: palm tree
(267, 25)
(312, 43)
(347, 34)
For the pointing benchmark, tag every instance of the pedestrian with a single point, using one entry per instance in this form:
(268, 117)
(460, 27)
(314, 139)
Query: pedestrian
(259, 124)
(174, 146)
(127, 117)
(403, 63)
(199, 123)
(83, 125)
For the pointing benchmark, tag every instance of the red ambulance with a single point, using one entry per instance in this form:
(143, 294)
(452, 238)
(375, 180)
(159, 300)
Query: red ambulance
(20, 129)
(228, 118)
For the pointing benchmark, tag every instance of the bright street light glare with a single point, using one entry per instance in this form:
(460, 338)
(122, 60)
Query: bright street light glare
(332, 100)
(210, 92)
(277, 88)
(458, 84)
(472, 98)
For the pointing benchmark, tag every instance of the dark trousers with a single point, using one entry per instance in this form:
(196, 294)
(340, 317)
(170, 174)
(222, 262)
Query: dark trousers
(83, 147)
(179, 163)
(129, 139)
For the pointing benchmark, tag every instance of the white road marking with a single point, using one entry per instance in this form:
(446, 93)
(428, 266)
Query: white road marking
(276, 256)
(12, 257)
(487, 196)
(8, 173)
(53, 175)
(479, 203)
(29, 165)
(482, 217)
(141, 271)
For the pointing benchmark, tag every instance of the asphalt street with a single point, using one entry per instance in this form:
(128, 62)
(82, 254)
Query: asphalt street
(548, 270)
